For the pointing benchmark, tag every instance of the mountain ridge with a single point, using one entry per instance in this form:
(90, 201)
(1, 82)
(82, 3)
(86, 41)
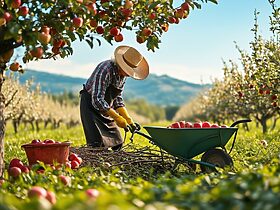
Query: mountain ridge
(161, 90)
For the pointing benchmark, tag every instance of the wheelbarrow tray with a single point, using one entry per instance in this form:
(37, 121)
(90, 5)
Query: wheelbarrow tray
(189, 142)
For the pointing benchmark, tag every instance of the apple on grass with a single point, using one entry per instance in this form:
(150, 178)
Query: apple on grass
(66, 180)
(14, 171)
(16, 163)
(37, 192)
(92, 193)
(75, 164)
(51, 197)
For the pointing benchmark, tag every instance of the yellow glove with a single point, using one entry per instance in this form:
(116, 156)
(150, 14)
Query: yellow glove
(120, 121)
(123, 112)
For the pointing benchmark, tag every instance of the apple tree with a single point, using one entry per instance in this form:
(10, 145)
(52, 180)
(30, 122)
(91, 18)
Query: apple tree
(46, 29)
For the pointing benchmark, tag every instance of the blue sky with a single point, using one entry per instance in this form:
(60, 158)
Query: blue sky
(191, 51)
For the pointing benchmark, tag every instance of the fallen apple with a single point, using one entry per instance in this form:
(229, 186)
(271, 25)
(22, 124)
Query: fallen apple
(37, 192)
(51, 197)
(66, 180)
(15, 163)
(92, 193)
(14, 171)
(74, 164)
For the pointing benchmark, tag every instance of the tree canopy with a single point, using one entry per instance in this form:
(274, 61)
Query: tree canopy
(46, 28)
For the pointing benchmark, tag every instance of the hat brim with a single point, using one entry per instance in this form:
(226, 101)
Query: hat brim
(140, 72)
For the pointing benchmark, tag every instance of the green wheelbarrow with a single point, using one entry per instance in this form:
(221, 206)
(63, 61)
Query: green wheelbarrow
(187, 143)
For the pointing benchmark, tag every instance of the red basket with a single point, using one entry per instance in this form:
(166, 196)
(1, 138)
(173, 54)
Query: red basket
(47, 153)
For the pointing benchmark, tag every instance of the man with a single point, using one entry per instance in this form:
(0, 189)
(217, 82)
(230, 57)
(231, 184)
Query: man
(102, 107)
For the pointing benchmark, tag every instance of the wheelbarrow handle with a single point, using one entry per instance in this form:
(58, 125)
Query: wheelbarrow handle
(240, 121)
(137, 130)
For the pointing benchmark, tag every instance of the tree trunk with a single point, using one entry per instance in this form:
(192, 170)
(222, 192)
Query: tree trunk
(274, 123)
(2, 125)
(264, 125)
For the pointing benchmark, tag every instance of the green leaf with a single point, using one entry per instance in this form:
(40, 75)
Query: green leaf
(198, 6)
(153, 5)
(214, 1)
(89, 43)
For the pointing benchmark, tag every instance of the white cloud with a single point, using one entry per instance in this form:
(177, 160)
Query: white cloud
(62, 66)
(69, 67)
(192, 74)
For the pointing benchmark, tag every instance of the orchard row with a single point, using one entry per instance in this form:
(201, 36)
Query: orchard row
(32, 107)
(250, 92)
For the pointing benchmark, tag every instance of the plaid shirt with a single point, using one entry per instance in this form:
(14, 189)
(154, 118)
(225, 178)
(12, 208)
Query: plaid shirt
(105, 74)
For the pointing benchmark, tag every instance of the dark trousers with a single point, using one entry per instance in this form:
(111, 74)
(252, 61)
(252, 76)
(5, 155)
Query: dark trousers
(99, 130)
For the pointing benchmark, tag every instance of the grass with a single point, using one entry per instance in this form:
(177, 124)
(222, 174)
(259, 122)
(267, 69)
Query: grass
(253, 184)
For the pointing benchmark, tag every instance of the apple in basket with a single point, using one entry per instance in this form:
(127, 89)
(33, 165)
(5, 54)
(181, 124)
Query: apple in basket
(49, 141)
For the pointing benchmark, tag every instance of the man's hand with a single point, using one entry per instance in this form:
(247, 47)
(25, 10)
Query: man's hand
(123, 112)
(120, 121)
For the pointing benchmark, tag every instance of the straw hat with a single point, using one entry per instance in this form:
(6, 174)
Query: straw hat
(131, 62)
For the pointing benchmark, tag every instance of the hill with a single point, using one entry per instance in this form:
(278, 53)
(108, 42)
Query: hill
(162, 90)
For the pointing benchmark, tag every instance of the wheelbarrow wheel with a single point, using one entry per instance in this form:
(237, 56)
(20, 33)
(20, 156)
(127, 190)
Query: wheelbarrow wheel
(216, 157)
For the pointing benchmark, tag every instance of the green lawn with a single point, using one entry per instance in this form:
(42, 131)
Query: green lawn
(252, 184)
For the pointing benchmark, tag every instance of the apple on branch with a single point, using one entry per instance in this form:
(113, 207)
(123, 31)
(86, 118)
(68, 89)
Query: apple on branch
(146, 32)
(15, 66)
(23, 11)
(118, 38)
(114, 31)
(16, 4)
(78, 22)
(44, 38)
